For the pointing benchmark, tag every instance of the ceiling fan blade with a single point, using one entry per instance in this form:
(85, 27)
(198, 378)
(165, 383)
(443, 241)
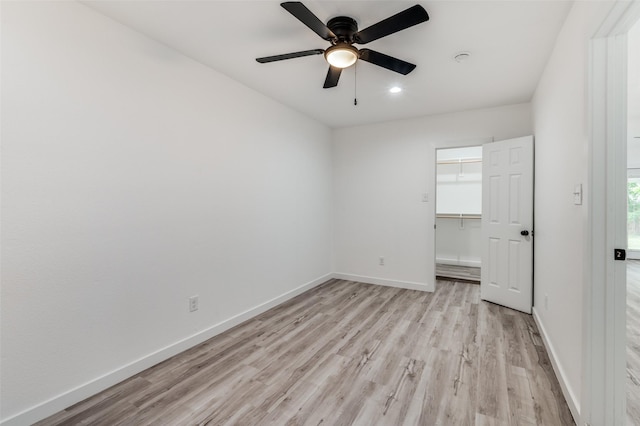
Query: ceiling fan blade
(333, 75)
(398, 22)
(386, 61)
(307, 17)
(289, 56)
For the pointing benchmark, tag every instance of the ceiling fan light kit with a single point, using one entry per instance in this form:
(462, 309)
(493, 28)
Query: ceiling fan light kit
(341, 55)
(342, 32)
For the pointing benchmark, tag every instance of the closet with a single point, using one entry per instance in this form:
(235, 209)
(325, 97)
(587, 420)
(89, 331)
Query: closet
(458, 213)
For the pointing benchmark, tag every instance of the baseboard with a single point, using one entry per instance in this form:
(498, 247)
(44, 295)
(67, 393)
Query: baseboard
(459, 262)
(385, 282)
(99, 384)
(569, 395)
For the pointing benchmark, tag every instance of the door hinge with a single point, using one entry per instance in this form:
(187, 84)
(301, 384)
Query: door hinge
(619, 254)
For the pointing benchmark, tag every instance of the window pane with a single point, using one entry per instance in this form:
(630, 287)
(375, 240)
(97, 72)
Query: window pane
(633, 213)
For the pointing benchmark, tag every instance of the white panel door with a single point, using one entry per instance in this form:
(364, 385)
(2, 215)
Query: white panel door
(507, 223)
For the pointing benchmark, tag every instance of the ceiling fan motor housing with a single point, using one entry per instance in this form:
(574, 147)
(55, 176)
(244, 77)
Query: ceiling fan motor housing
(343, 27)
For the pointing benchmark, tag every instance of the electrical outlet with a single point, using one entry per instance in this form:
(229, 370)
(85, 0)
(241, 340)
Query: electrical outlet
(193, 303)
(381, 261)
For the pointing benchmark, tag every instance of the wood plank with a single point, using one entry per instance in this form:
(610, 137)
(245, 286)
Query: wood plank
(468, 274)
(633, 342)
(350, 353)
(493, 401)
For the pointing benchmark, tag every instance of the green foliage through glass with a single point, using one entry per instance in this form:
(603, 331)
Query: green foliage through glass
(633, 213)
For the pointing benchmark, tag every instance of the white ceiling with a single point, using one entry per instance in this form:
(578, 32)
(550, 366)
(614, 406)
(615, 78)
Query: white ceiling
(509, 42)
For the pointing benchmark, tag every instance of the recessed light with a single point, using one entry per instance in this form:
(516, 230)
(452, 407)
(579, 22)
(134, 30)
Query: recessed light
(395, 89)
(462, 56)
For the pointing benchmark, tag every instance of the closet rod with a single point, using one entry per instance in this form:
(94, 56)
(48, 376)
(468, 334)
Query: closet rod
(458, 216)
(460, 161)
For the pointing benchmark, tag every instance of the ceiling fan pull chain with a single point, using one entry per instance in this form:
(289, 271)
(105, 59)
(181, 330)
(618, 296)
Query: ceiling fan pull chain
(355, 84)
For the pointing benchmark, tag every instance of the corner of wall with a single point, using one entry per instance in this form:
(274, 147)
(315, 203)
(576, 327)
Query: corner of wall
(99, 384)
(409, 285)
(567, 390)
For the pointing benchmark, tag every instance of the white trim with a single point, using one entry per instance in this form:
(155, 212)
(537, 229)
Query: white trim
(568, 392)
(633, 254)
(604, 310)
(620, 19)
(430, 287)
(593, 394)
(618, 193)
(458, 262)
(101, 383)
(434, 187)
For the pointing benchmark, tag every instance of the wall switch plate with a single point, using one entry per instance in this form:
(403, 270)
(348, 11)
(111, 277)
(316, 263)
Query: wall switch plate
(577, 194)
(425, 197)
(193, 303)
(381, 261)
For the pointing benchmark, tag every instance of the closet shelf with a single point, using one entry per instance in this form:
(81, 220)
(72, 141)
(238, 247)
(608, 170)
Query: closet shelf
(458, 216)
(460, 161)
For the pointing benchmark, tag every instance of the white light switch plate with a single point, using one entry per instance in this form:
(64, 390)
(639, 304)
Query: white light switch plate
(577, 194)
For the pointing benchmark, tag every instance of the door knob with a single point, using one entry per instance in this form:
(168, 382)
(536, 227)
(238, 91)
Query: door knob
(524, 233)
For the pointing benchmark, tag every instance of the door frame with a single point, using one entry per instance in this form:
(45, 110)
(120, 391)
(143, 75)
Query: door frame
(465, 143)
(603, 399)
(435, 197)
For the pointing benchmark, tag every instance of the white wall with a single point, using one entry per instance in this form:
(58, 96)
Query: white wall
(633, 142)
(380, 174)
(459, 242)
(560, 110)
(633, 121)
(133, 178)
(633, 97)
(459, 186)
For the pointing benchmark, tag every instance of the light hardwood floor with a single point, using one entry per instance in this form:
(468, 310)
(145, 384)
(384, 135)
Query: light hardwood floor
(633, 342)
(350, 353)
(467, 273)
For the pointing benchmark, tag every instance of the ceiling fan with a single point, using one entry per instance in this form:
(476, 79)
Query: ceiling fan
(342, 32)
